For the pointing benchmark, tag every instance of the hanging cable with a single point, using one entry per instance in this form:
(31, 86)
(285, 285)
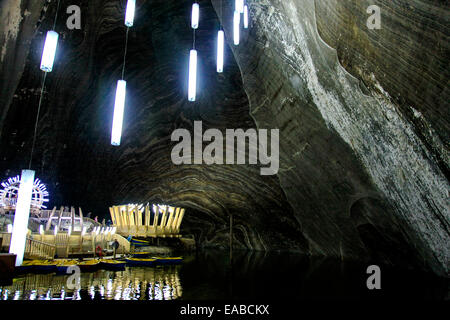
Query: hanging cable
(46, 69)
(125, 54)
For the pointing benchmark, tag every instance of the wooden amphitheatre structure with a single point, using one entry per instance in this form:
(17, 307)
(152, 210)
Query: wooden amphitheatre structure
(149, 221)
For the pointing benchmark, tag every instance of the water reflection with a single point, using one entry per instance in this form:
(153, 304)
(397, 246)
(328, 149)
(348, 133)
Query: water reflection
(253, 275)
(160, 283)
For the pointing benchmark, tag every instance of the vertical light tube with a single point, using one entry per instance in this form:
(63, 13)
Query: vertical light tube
(20, 227)
(239, 6)
(245, 17)
(220, 50)
(236, 27)
(129, 15)
(119, 107)
(48, 55)
(192, 91)
(195, 15)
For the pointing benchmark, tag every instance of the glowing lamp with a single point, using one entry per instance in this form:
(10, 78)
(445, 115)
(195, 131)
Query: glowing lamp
(48, 55)
(192, 91)
(220, 50)
(119, 107)
(236, 27)
(245, 17)
(20, 226)
(129, 15)
(195, 15)
(239, 6)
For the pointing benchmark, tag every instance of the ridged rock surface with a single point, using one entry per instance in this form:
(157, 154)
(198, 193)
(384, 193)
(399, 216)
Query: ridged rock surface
(363, 118)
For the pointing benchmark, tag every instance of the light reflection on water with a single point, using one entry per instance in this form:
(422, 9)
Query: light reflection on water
(159, 283)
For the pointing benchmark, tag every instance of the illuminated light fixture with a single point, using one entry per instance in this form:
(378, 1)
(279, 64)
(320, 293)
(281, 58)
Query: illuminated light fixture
(48, 55)
(245, 17)
(56, 230)
(195, 15)
(20, 226)
(129, 15)
(220, 50)
(192, 91)
(236, 27)
(9, 228)
(239, 6)
(41, 229)
(119, 107)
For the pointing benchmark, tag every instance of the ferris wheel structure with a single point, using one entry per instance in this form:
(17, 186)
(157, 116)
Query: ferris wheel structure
(10, 190)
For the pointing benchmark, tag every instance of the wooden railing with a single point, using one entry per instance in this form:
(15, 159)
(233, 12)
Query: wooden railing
(35, 249)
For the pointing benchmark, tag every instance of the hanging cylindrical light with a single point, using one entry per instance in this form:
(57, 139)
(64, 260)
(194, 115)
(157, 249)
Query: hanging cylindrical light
(220, 50)
(20, 226)
(236, 27)
(192, 91)
(239, 6)
(119, 107)
(195, 15)
(48, 55)
(129, 15)
(246, 17)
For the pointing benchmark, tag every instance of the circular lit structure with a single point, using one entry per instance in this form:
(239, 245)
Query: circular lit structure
(9, 192)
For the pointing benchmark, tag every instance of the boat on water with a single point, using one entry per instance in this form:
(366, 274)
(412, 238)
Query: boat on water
(62, 266)
(137, 262)
(27, 266)
(168, 260)
(89, 265)
(112, 264)
(140, 254)
(139, 243)
(46, 266)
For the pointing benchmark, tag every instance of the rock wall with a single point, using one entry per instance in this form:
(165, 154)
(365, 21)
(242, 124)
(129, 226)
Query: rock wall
(354, 165)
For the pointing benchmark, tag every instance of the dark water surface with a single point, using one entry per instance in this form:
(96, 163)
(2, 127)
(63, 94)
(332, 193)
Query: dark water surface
(209, 276)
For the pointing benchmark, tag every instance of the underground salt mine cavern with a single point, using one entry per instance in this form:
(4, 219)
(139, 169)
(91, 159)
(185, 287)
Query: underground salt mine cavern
(219, 149)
